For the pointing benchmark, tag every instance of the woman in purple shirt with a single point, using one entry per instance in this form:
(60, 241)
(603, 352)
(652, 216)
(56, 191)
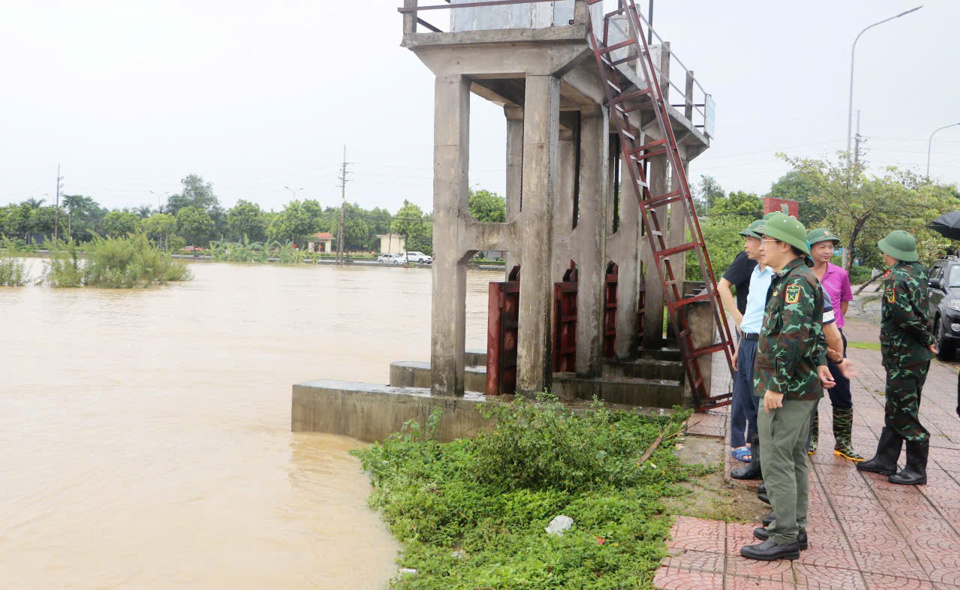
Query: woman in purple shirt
(836, 284)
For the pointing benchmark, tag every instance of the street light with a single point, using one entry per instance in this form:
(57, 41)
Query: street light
(852, 54)
(293, 193)
(157, 195)
(930, 144)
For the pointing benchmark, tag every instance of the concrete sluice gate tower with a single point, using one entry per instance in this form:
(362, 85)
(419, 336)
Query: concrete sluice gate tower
(585, 316)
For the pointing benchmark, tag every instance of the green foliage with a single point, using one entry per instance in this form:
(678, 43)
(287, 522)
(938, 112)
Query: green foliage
(472, 513)
(795, 187)
(724, 242)
(159, 226)
(296, 223)
(120, 223)
(862, 208)
(748, 205)
(860, 274)
(113, 263)
(247, 220)
(13, 271)
(410, 222)
(487, 206)
(195, 225)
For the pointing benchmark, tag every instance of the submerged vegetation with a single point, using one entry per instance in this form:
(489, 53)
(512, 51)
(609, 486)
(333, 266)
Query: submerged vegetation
(112, 263)
(13, 272)
(472, 513)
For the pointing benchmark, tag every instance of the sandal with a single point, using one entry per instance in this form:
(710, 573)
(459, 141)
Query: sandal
(741, 454)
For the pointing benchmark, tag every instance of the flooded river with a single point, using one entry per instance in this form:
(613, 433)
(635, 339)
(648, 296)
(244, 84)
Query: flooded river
(145, 435)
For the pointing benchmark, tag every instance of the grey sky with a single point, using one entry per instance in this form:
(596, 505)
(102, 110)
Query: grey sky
(129, 97)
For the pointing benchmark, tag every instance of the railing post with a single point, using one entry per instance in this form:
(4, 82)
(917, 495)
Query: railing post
(688, 94)
(580, 9)
(409, 18)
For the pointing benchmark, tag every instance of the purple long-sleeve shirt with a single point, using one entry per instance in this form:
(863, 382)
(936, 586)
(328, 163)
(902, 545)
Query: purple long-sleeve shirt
(836, 284)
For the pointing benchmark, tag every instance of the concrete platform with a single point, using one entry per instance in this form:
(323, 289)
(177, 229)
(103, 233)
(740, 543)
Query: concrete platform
(373, 412)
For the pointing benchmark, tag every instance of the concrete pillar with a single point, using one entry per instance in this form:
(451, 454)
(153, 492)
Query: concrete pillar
(628, 287)
(514, 194)
(563, 239)
(653, 313)
(591, 240)
(678, 224)
(540, 167)
(450, 197)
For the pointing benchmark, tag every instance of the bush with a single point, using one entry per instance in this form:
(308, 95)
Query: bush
(113, 263)
(472, 512)
(13, 272)
(860, 274)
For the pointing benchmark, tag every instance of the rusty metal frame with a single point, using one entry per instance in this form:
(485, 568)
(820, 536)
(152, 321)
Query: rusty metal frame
(565, 321)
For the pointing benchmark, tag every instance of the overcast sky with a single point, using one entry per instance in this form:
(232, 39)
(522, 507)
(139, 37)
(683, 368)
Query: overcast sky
(130, 97)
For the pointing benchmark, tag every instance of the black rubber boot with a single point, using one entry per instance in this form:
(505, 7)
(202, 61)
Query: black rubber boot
(762, 534)
(915, 472)
(769, 518)
(770, 551)
(752, 469)
(888, 451)
(762, 493)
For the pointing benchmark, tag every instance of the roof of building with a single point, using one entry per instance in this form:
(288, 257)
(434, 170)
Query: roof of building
(323, 236)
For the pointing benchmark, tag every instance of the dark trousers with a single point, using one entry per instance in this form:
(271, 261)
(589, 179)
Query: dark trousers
(744, 404)
(840, 395)
(901, 413)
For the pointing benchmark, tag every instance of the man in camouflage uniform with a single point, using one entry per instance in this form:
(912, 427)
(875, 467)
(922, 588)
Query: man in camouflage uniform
(907, 345)
(790, 372)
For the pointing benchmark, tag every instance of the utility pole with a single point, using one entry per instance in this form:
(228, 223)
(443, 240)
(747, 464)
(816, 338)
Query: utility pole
(343, 202)
(856, 142)
(56, 216)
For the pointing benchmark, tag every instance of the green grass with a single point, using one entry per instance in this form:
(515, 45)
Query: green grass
(863, 345)
(471, 513)
(112, 263)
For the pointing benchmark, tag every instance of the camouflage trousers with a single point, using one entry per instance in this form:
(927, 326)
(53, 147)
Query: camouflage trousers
(904, 385)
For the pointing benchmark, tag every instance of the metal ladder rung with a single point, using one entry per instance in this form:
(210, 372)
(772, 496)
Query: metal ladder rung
(613, 48)
(676, 250)
(689, 300)
(664, 199)
(698, 352)
(631, 95)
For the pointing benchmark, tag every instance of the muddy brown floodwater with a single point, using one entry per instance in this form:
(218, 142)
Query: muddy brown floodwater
(145, 435)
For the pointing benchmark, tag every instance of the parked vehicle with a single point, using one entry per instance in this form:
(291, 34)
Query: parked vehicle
(391, 260)
(419, 258)
(945, 304)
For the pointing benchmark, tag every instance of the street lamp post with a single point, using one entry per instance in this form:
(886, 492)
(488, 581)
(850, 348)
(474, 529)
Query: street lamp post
(852, 55)
(159, 197)
(930, 144)
(293, 192)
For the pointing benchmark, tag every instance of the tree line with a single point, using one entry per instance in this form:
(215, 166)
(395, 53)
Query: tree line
(859, 206)
(195, 217)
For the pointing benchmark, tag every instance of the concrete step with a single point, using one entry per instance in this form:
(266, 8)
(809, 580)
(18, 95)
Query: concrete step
(417, 374)
(644, 368)
(671, 353)
(620, 390)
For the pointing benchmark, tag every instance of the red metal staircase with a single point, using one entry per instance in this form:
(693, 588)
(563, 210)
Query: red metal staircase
(624, 97)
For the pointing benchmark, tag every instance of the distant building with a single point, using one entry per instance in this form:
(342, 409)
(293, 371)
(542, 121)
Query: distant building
(392, 244)
(321, 242)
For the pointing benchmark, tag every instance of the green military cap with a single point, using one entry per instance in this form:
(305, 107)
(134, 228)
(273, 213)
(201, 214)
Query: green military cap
(900, 245)
(822, 235)
(786, 229)
(753, 230)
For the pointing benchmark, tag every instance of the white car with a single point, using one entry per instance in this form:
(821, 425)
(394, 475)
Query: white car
(391, 259)
(419, 257)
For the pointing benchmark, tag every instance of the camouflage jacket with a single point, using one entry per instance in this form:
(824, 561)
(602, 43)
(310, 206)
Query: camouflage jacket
(905, 318)
(792, 344)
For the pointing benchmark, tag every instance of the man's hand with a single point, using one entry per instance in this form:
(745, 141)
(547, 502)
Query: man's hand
(847, 368)
(772, 400)
(933, 348)
(826, 379)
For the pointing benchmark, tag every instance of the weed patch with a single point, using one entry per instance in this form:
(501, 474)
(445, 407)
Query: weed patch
(472, 513)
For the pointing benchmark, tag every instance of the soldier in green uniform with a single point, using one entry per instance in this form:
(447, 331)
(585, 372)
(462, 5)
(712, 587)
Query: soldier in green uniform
(790, 372)
(907, 345)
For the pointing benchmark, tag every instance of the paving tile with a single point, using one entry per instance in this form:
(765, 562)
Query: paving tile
(900, 565)
(702, 561)
(824, 556)
(778, 571)
(671, 579)
(882, 582)
(738, 583)
(827, 578)
(698, 534)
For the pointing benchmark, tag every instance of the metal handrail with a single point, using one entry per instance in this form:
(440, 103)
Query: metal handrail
(412, 8)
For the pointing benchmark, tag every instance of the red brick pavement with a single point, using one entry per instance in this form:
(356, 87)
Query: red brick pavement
(865, 533)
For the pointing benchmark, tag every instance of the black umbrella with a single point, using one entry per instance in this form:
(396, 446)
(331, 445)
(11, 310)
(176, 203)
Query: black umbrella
(947, 225)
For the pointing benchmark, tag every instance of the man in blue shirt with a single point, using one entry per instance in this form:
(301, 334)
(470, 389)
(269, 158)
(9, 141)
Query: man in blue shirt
(744, 403)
